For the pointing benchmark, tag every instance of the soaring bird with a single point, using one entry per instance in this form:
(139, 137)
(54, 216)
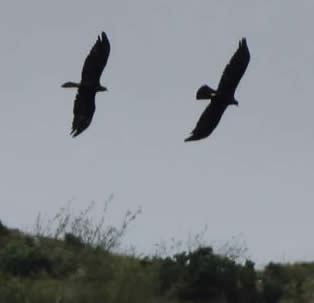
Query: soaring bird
(223, 96)
(84, 104)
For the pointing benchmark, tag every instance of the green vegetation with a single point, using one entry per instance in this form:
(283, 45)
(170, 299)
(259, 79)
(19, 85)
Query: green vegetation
(78, 264)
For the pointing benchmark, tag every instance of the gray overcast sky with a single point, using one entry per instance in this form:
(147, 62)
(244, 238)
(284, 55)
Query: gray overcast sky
(253, 177)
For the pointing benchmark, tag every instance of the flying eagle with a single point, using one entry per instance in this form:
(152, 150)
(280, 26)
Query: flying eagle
(223, 96)
(84, 104)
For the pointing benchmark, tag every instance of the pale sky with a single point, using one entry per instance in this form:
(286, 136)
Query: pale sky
(252, 177)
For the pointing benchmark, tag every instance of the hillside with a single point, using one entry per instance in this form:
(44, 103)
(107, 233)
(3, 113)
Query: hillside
(42, 269)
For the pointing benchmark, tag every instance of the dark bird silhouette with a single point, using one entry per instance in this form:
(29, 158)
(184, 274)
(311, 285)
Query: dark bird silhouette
(223, 96)
(84, 104)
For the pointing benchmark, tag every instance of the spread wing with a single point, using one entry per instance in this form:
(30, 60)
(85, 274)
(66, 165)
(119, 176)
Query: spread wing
(208, 121)
(235, 69)
(83, 111)
(96, 60)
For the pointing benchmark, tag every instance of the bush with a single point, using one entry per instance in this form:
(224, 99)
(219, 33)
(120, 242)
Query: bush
(203, 275)
(72, 240)
(274, 279)
(20, 259)
(3, 230)
(272, 291)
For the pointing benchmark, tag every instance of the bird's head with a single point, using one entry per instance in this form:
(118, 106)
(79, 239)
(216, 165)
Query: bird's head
(235, 102)
(101, 88)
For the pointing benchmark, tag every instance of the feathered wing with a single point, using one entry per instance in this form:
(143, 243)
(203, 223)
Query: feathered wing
(96, 60)
(208, 121)
(235, 69)
(83, 111)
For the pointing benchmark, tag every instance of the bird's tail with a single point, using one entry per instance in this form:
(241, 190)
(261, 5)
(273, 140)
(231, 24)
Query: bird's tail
(205, 92)
(70, 84)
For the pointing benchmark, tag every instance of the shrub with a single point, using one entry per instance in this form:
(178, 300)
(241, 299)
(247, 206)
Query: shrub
(72, 240)
(203, 275)
(272, 291)
(21, 259)
(3, 230)
(274, 279)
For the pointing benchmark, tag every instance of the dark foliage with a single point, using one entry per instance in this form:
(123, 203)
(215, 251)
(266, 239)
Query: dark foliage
(272, 291)
(3, 230)
(72, 240)
(23, 259)
(274, 279)
(39, 269)
(202, 276)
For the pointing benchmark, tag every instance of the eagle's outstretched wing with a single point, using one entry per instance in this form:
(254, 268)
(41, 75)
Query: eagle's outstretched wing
(83, 111)
(208, 121)
(96, 60)
(235, 69)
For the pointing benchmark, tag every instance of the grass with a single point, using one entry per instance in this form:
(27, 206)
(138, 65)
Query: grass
(76, 261)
